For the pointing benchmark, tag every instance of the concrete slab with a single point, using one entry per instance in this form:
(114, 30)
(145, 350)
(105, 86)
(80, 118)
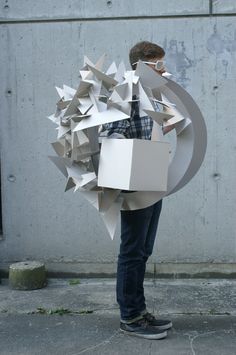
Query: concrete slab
(202, 311)
(71, 9)
(182, 296)
(99, 334)
(224, 7)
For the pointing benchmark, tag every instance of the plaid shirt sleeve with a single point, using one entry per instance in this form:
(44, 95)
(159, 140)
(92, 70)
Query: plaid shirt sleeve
(119, 127)
(133, 127)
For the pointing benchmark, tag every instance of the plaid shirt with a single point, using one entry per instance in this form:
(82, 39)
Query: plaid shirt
(133, 127)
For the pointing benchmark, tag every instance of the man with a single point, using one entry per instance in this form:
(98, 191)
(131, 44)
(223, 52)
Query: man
(138, 227)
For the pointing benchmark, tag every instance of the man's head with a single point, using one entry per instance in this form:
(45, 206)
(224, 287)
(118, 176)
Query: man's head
(147, 52)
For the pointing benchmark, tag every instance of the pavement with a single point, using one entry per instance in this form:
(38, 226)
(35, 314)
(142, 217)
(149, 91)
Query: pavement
(71, 316)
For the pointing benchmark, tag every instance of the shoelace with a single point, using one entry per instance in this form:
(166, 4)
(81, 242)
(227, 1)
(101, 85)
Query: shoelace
(148, 316)
(143, 322)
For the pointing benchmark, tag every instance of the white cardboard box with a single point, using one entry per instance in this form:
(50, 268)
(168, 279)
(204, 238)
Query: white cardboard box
(134, 164)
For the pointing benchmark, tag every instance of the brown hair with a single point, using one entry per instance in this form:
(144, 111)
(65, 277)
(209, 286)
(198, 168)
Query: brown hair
(143, 51)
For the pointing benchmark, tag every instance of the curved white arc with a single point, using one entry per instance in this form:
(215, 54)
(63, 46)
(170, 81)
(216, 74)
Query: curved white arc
(141, 199)
(194, 137)
(190, 150)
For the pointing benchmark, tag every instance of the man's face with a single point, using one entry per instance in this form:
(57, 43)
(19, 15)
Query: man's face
(151, 65)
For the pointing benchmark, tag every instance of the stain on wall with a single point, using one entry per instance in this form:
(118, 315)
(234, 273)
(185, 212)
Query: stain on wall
(178, 62)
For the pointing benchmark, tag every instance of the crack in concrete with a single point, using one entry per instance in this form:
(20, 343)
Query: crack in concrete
(104, 342)
(192, 337)
(150, 349)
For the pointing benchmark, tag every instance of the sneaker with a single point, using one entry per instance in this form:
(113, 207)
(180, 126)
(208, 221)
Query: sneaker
(142, 329)
(161, 324)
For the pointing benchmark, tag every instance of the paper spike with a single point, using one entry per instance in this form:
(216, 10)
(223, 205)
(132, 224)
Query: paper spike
(99, 118)
(148, 92)
(157, 134)
(62, 130)
(74, 141)
(100, 62)
(160, 102)
(180, 126)
(90, 196)
(85, 179)
(61, 163)
(149, 77)
(98, 106)
(120, 72)
(72, 108)
(83, 139)
(173, 121)
(111, 216)
(92, 134)
(59, 148)
(144, 102)
(70, 184)
(83, 88)
(76, 171)
(69, 91)
(67, 148)
(54, 119)
(107, 80)
(124, 107)
(129, 89)
(85, 74)
(156, 94)
(112, 69)
(166, 101)
(61, 104)
(60, 92)
(87, 61)
(85, 104)
(122, 90)
(83, 152)
(177, 116)
(96, 88)
(159, 117)
(106, 197)
(115, 97)
(73, 123)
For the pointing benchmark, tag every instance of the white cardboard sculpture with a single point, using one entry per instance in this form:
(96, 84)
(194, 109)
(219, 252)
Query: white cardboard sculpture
(128, 164)
(100, 174)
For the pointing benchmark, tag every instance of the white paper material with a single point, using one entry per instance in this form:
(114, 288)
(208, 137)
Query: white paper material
(105, 97)
(123, 164)
(106, 197)
(61, 163)
(159, 117)
(110, 217)
(149, 79)
(112, 69)
(180, 126)
(106, 79)
(119, 76)
(70, 184)
(59, 148)
(100, 118)
(145, 103)
(90, 196)
(85, 179)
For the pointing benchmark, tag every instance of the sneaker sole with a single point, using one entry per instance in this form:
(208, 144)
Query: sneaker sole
(163, 327)
(150, 336)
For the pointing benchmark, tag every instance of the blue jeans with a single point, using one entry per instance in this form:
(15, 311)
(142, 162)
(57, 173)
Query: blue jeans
(138, 233)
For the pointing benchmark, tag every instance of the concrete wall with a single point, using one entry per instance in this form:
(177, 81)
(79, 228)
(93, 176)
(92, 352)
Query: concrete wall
(42, 45)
